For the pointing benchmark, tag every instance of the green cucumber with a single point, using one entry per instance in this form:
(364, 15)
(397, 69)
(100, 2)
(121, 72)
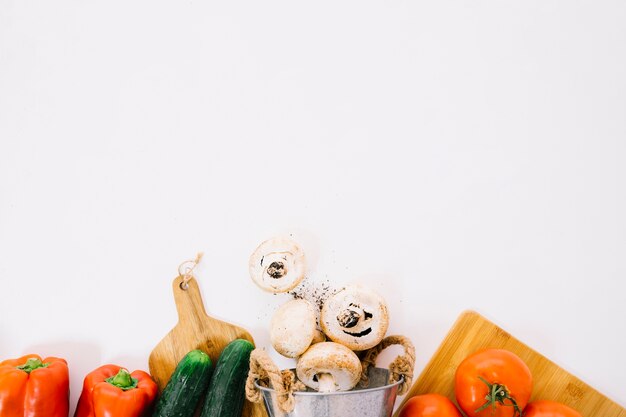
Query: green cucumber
(227, 390)
(186, 386)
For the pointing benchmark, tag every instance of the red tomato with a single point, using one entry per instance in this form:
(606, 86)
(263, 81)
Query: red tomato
(429, 405)
(549, 409)
(493, 383)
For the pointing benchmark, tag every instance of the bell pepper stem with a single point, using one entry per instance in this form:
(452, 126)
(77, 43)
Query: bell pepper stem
(123, 380)
(32, 364)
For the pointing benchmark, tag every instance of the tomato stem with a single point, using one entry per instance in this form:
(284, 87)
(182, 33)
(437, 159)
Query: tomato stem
(498, 394)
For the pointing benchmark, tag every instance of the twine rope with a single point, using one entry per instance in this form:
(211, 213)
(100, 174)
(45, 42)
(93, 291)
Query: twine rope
(185, 270)
(263, 370)
(402, 367)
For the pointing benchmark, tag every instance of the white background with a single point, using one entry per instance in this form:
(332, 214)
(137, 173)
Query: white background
(452, 154)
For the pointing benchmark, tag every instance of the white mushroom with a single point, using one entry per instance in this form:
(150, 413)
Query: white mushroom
(277, 265)
(319, 337)
(356, 317)
(329, 367)
(293, 328)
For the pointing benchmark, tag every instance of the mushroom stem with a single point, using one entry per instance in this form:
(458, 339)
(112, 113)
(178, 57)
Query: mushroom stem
(349, 318)
(326, 383)
(276, 270)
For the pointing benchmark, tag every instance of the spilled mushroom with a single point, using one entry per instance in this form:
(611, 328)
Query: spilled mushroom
(277, 265)
(355, 317)
(329, 367)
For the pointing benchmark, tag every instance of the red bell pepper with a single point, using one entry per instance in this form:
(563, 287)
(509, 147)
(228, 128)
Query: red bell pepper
(32, 387)
(111, 391)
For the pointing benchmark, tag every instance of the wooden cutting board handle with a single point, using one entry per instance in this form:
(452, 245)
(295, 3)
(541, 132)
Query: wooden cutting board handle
(188, 301)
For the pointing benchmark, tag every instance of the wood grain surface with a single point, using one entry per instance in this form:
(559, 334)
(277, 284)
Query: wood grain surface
(195, 330)
(473, 332)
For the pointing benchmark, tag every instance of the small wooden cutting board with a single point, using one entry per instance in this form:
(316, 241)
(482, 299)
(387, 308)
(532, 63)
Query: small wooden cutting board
(473, 332)
(195, 330)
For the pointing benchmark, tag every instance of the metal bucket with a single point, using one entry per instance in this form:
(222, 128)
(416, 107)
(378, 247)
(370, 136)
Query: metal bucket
(375, 400)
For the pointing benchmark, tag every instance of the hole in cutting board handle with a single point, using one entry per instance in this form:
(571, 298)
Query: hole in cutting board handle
(184, 286)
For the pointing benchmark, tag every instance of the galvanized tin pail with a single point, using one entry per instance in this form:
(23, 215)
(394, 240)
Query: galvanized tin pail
(375, 400)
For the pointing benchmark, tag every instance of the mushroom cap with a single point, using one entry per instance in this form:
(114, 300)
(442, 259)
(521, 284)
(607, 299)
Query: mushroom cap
(329, 358)
(277, 265)
(356, 317)
(319, 337)
(293, 328)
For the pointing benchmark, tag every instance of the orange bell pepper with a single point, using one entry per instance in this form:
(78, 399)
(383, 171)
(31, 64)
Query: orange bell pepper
(32, 387)
(111, 391)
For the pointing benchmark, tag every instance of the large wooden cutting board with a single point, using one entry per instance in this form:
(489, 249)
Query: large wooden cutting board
(195, 330)
(473, 332)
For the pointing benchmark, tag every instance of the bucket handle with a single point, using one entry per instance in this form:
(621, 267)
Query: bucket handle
(400, 369)
(265, 371)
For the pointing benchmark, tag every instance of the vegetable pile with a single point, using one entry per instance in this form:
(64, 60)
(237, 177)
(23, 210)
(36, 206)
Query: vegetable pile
(35, 387)
(488, 383)
(334, 343)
